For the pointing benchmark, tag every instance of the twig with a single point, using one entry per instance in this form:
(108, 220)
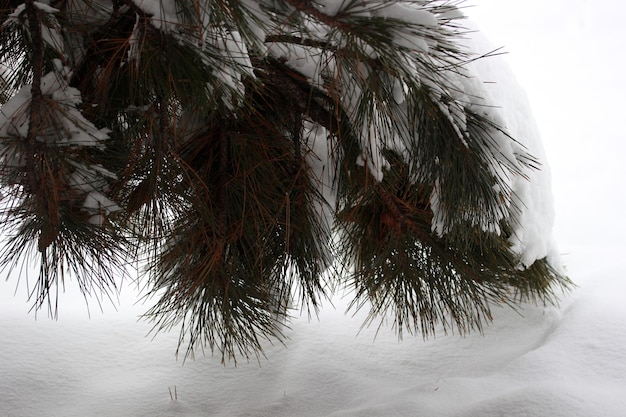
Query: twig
(175, 396)
(299, 40)
(307, 7)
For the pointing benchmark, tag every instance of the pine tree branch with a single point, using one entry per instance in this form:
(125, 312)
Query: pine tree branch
(34, 26)
(299, 95)
(47, 208)
(104, 45)
(222, 194)
(299, 40)
(307, 7)
(214, 149)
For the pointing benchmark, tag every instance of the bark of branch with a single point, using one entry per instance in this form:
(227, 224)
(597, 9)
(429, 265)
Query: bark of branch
(34, 26)
(38, 170)
(299, 40)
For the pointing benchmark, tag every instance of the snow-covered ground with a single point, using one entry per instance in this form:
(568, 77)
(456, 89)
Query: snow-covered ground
(568, 361)
(553, 362)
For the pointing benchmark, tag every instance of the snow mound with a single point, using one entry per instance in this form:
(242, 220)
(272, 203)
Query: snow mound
(553, 362)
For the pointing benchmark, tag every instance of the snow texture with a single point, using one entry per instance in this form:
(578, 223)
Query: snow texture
(557, 362)
(532, 234)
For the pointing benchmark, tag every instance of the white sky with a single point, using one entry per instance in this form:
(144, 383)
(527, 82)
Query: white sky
(570, 57)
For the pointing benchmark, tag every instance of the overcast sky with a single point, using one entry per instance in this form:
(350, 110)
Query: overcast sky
(569, 55)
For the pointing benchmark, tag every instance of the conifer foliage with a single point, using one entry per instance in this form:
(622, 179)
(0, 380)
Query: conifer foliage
(256, 155)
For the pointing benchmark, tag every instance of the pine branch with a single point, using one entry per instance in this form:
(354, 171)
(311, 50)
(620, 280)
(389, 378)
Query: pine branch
(47, 203)
(217, 141)
(299, 40)
(34, 25)
(104, 46)
(307, 7)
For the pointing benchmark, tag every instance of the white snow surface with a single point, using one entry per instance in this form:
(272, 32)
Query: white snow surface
(532, 231)
(546, 361)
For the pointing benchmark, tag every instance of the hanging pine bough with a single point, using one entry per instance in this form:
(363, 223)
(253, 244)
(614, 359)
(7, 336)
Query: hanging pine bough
(255, 155)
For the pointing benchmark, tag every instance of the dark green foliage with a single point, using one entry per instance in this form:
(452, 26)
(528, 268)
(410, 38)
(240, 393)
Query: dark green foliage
(255, 156)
